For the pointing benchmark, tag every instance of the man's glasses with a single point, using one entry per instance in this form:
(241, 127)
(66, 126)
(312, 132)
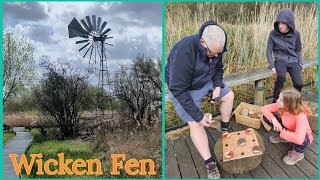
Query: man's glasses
(211, 53)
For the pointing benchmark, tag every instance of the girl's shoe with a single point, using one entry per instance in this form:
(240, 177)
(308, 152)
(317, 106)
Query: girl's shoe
(293, 157)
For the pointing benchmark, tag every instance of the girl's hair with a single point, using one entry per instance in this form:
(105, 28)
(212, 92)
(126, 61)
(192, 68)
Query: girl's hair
(292, 102)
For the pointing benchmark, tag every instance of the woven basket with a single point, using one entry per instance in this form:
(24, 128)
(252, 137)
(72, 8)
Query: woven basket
(245, 120)
(313, 122)
(313, 119)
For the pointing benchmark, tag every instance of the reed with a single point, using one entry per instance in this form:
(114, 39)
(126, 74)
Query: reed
(248, 26)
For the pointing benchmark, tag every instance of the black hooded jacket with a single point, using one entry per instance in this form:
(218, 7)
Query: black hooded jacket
(188, 68)
(284, 46)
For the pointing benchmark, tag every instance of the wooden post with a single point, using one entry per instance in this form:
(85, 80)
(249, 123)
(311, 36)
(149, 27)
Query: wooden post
(258, 92)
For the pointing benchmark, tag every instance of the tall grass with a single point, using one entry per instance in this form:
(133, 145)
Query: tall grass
(248, 26)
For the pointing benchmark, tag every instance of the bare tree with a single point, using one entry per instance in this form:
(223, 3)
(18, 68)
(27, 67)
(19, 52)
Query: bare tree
(61, 96)
(138, 87)
(18, 64)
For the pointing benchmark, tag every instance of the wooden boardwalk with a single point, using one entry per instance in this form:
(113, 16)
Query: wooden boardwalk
(184, 161)
(17, 145)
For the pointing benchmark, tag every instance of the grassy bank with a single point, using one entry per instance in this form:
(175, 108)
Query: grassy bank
(72, 149)
(248, 26)
(7, 136)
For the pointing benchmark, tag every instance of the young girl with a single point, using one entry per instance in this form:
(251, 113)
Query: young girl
(292, 124)
(285, 44)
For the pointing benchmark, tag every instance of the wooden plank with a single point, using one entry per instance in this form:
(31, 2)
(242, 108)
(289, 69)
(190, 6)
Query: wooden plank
(314, 147)
(293, 171)
(285, 147)
(259, 172)
(258, 92)
(184, 159)
(315, 138)
(197, 159)
(172, 169)
(276, 155)
(272, 168)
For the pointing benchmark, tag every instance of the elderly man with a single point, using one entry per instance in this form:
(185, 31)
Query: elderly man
(194, 67)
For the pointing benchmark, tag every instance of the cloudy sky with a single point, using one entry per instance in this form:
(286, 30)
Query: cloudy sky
(136, 28)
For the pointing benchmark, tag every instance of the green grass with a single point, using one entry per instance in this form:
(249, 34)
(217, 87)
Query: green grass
(7, 136)
(72, 149)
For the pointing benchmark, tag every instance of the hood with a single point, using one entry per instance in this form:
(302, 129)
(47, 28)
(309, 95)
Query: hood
(211, 22)
(285, 15)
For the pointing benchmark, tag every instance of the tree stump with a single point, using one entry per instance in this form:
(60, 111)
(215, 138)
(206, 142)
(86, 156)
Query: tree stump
(238, 166)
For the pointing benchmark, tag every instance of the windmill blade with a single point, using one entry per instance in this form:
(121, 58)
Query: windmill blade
(102, 27)
(108, 50)
(99, 22)
(90, 54)
(84, 46)
(82, 41)
(105, 32)
(106, 37)
(108, 44)
(89, 23)
(94, 22)
(87, 51)
(85, 25)
(76, 30)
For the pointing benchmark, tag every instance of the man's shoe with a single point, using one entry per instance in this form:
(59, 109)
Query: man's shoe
(276, 139)
(225, 130)
(213, 172)
(293, 157)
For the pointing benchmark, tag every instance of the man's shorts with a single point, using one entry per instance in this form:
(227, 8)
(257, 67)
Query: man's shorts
(196, 96)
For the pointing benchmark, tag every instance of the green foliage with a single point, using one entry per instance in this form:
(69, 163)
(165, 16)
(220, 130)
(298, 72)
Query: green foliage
(98, 98)
(18, 64)
(21, 103)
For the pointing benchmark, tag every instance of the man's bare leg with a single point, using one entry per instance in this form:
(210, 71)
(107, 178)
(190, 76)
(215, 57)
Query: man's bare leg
(226, 106)
(200, 139)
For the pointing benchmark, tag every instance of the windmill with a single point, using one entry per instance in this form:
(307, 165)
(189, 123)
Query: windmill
(94, 37)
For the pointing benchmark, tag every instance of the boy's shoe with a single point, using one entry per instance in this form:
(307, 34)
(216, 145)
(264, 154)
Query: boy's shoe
(213, 172)
(276, 139)
(293, 157)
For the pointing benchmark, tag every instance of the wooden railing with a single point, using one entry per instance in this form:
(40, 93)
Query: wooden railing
(257, 76)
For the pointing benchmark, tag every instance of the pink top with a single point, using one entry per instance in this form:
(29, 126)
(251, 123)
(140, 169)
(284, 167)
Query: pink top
(297, 125)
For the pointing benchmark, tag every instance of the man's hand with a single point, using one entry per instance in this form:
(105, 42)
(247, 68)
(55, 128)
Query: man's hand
(276, 125)
(274, 71)
(216, 93)
(205, 121)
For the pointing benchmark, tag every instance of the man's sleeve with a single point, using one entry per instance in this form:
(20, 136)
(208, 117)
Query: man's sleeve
(218, 76)
(269, 52)
(180, 78)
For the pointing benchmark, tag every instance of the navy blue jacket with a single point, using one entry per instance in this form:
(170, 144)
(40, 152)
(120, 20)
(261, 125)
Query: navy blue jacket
(188, 68)
(284, 46)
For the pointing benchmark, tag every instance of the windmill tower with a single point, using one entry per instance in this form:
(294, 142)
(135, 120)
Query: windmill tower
(94, 36)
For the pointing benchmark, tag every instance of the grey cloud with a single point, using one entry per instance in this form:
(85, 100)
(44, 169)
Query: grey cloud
(24, 11)
(129, 48)
(40, 33)
(147, 14)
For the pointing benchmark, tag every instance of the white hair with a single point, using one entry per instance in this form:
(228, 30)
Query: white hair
(214, 34)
